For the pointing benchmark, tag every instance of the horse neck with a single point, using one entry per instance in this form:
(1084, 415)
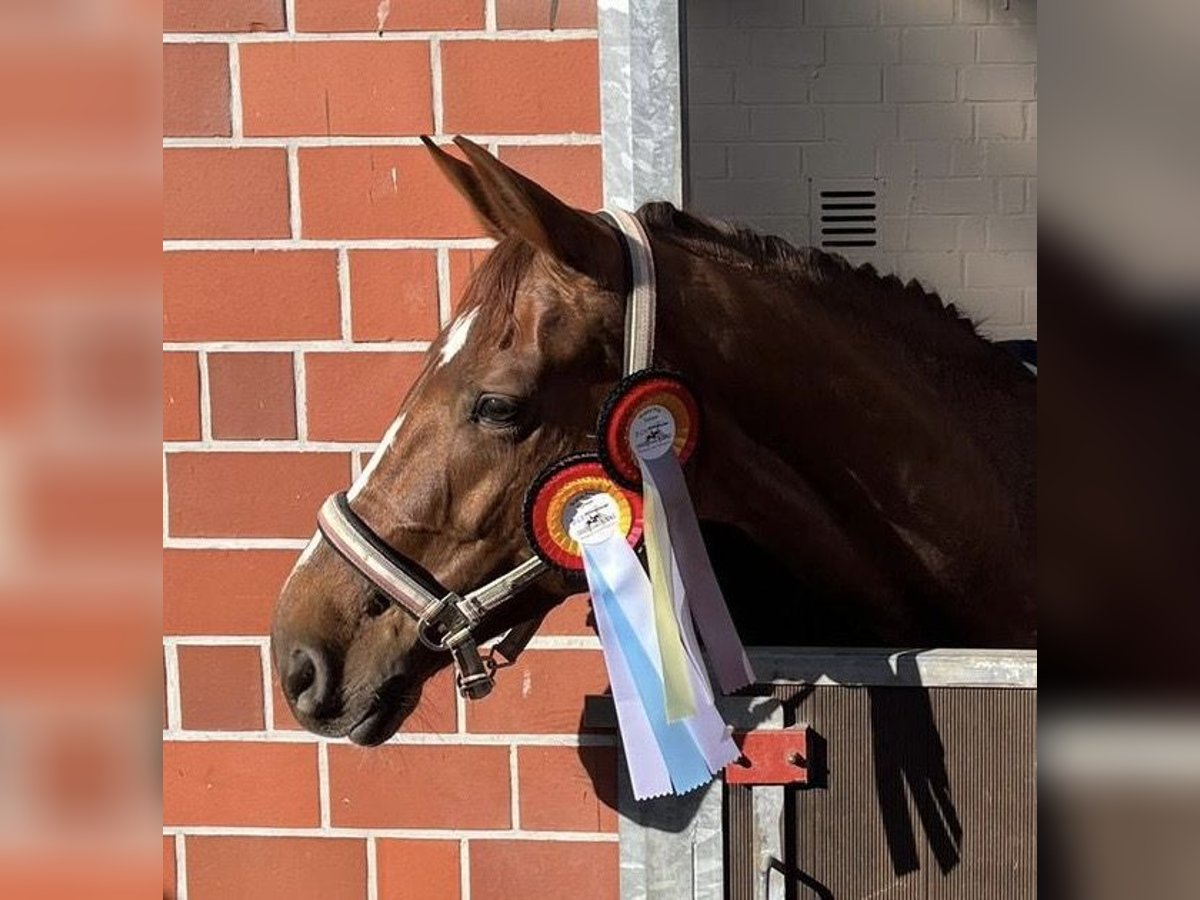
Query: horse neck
(864, 451)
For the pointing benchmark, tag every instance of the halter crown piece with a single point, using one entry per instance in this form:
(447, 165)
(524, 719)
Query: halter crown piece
(591, 513)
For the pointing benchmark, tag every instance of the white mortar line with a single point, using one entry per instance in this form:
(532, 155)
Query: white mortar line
(323, 784)
(464, 869)
(514, 782)
(573, 138)
(329, 244)
(268, 694)
(489, 15)
(435, 74)
(343, 272)
(416, 834)
(460, 714)
(372, 869)
(299, 376)
(181, 887)
(444, 287)
(293, 170)
(215, 640)
(166, 500)
(415, 739)
(288, 446)
(565, 642)
(289, 10)
(174, 706)
(205, 398)
(234, 543)
(306, 37)
(236, 128)
(331, 345)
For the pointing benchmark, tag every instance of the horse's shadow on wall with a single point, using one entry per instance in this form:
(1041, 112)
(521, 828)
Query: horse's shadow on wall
(911, 779)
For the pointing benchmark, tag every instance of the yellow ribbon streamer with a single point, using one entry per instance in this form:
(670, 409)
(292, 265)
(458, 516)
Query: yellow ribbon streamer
(680, 700)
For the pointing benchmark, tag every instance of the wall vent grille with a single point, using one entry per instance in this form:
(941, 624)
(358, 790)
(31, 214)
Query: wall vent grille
(846, 215)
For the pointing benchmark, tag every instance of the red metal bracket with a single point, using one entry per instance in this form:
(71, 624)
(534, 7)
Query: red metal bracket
(777, 756)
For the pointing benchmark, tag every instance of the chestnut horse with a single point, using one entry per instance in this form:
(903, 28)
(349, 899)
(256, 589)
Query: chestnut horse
(858, 435)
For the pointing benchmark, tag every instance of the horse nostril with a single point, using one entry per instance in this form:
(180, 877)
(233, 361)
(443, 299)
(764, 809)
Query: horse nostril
(308, 681)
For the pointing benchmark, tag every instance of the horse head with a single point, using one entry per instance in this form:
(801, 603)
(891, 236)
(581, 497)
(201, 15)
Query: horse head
(513, 384)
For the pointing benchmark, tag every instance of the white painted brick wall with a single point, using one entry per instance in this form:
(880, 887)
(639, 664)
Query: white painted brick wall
(938, 97)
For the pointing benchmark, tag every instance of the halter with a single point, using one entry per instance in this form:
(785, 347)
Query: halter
(446, 621)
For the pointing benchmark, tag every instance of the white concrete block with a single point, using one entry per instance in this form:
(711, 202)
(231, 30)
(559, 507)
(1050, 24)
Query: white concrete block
(1030, 310)
(764, 161)
(746, 197)
(1031, 195)
(1031, 120)
(767, 13)
(707, 160)
(771, 85)
(955, 195)
(841, 12)
(999, 120)
(860, 123)
(972, 232)
(916, 12)
(798, 122)
(1012, 233)
(1011, 158)
(1007, 269)
(935, 120)
(935, 271)
(909, 82)
(708, 13)
(939, 43)
(720, 122)
(832, 159)
(999, 82)
(967, 158)
(710, 47)
(1014, 10)
(1011, 195)
(914, 159)
(1008, 43)
(972, 11)
(708, 85)
(787, 46)
(862, 45)
(847, 84)
(932, 233)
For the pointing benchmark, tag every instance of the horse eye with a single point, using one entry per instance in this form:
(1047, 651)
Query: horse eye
(496, 409)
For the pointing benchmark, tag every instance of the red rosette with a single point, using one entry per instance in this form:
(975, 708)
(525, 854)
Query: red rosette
(634, 394)
(557, 486)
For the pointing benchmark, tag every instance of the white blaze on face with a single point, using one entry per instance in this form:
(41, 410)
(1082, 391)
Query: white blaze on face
(457, 337)
(369, 468)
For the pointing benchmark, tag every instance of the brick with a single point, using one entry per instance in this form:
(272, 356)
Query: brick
(463, 264)
(847, 84)
(220, 688)
(572, 173)
(542, 694)
(240, 783)
(841, 12)
(393, 295)
(998, 82)
(501, 870)
(276, 868)
(935, 120)
(572, 616)
(168, 864)
(919, 82)
(781, 46)
(1012, 233)
(379, 192)
(764, 161)
(954, 195)
(225, 193)
(916, 12)
(859, 124)
(771, 85)
(355, 396)
(253, 395)
(336, 88)
(418, 870)
(430, 15)
(1001, 269)
(521, 87)
(999, 120)
(414, 786)
(1011, 158)
(862, 45)
(222, 591)
(535, 14)
(251, 494)
(195, 90)
(1006, 43)
(250, 295)
(181, 397)
(229, 15)
(568, 788)
(938, 44)
(785, 123)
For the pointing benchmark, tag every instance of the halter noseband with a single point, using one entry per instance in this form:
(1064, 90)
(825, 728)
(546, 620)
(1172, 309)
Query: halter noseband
(446, 620)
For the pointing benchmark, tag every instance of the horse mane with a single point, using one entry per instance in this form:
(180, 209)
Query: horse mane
(908, 311)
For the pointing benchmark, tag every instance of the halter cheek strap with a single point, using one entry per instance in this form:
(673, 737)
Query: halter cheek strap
(446, 620)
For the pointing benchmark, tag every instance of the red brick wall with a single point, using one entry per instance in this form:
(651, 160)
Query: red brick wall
(311, 248)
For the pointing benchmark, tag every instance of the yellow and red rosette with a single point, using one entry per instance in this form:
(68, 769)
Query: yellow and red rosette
(633, 396)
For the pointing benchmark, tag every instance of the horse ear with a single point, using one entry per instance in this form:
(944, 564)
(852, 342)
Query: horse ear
(466, 182)
(580, 240)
